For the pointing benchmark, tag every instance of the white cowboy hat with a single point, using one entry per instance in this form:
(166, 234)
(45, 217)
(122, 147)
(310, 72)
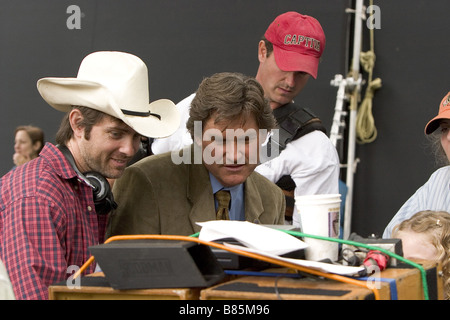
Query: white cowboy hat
(115, 83)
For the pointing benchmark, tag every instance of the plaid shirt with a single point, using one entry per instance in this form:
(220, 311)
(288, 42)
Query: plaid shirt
(47, 223)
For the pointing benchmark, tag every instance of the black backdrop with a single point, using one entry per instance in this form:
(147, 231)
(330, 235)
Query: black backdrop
(182, 41)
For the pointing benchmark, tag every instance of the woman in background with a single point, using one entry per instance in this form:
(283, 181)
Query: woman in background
(28, 143)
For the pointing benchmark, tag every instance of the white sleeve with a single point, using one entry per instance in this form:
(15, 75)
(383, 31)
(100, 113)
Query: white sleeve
(6, 289)
(433, 195)
(180, 138)
(312, 162)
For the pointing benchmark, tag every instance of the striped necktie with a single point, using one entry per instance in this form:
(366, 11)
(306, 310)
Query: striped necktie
(223, 198)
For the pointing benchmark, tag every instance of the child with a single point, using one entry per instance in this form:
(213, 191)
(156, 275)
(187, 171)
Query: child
(426, 236)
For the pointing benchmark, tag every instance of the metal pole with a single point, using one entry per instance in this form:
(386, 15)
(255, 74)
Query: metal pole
(351, 163)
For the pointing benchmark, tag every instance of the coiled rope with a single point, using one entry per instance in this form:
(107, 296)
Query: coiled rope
(366, 130)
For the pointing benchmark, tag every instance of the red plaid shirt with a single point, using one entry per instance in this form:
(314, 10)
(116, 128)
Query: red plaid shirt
(47, 223)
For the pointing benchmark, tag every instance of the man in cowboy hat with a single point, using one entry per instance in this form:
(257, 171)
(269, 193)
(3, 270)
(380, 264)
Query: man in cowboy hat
(54, 207)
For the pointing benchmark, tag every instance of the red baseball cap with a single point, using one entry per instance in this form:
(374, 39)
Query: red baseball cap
(298, 42)
(444, 113)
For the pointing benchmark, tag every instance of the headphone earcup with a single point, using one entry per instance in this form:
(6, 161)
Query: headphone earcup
(101, 185)
(103, 197)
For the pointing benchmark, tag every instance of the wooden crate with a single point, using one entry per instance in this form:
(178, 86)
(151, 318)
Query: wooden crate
(400, 283)
(98, 289)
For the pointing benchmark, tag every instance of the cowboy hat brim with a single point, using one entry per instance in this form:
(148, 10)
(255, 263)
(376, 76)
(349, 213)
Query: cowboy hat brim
(63, 93)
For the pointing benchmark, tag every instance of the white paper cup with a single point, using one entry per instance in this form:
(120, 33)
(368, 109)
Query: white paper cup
(319, 215)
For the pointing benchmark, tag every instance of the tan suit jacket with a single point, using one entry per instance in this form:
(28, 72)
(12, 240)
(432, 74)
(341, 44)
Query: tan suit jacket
(156, 196)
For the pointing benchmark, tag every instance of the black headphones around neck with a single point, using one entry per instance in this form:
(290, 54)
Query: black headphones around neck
(103, 197)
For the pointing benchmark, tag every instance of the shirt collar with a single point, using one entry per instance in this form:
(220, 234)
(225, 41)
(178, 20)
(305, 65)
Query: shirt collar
(216, 186)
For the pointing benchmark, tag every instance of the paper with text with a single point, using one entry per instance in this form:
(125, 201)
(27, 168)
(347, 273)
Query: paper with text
(268, 242)
(251, 235)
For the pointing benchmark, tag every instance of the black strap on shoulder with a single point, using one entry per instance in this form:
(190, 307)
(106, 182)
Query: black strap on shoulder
(294, 122)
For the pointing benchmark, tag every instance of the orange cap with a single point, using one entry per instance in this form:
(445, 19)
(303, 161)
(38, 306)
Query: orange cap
(444, 113)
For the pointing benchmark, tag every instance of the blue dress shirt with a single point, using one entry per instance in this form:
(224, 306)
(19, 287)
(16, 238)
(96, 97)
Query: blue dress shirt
(237, 209)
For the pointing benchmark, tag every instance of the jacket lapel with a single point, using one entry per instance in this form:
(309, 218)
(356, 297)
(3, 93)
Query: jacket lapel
(199, 193)
(253, 204)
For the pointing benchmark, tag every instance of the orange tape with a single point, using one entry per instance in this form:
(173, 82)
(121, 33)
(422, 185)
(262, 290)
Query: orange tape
(237, 251)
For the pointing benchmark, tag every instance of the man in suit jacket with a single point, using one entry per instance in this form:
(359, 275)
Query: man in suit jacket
(170, 193)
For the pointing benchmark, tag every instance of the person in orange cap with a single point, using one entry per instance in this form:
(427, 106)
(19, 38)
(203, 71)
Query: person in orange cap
(434, 194)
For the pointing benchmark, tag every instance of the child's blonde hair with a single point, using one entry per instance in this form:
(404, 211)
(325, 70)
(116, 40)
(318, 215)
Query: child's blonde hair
(436, 225)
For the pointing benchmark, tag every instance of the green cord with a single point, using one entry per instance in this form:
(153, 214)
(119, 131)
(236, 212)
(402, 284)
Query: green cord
(363, 245)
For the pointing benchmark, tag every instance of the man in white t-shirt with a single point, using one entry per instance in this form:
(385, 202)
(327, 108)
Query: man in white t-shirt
(288, 55)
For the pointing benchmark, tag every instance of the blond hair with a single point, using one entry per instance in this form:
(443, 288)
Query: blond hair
(436, 225)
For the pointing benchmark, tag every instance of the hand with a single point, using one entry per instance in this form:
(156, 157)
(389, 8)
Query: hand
(20, 159)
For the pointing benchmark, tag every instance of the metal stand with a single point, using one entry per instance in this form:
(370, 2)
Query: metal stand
(349, 89)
